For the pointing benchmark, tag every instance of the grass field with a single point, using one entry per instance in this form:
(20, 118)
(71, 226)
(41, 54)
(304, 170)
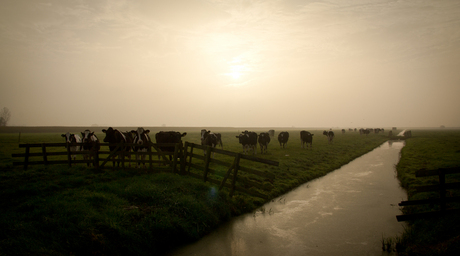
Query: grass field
(430, 150)
(57, 210)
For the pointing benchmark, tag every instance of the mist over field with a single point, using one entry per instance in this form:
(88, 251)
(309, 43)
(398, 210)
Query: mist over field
(214, 63)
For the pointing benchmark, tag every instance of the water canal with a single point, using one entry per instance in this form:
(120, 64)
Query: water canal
(343, 213)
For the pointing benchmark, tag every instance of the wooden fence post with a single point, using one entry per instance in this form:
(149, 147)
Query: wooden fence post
(26, 159)
(45, 157)
(190, 159)
(237, 166)
(183, 159)
(96, 157)
(442, 189)
(207, 162)
(149, 150)
(69, 156)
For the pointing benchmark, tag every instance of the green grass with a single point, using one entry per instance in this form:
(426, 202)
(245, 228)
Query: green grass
(57, 210)
(429, 150)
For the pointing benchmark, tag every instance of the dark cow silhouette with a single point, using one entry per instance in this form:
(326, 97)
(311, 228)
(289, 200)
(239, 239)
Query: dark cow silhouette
(306, 138)
(210, 139)
(343, 130)
(217, 136)
(364, 131)
(114, 136)
(329, 135)
(249, 141)
(72, 140)
(169, 137)
(264, 139)
(90, 143)
(142, 140)
(283, 138)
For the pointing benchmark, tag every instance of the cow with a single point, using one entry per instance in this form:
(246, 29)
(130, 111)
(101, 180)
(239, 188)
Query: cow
(209, 139)
(90, 143)
(306, 138)
(218, 138)
(264, 139)
(283, 138)
(364, 131)
(343, 130)
(142, 142)
(72, 140)
(390, 133)
(114, 136)
(249, 141)
(329, 135)
(168, 137)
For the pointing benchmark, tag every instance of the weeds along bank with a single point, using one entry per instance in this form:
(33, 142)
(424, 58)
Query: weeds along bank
(59, 210)
(430, 150)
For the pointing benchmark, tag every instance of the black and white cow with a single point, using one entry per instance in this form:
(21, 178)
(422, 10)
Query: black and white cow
(142, 140)
(283, 138)
(264, 139)
(114, 136)
(209, 139)
(168, 137)
(249, 141)
(329, 135)
(306, 138)
(90, 143)
(72, 140)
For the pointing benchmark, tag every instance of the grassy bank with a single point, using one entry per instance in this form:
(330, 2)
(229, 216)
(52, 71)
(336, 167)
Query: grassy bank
(58, 210)
(429, 150)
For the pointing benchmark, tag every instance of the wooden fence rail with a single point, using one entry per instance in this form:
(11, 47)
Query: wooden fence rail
(235, 172)
(442, 200)
(44, 154)
(235, 178)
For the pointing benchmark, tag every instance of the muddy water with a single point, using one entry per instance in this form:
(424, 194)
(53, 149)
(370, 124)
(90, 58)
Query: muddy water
(343, 213)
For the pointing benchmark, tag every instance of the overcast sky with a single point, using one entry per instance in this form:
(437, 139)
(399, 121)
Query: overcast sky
(271, 63)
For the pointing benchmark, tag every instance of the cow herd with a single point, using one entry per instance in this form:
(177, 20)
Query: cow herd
(140, 140)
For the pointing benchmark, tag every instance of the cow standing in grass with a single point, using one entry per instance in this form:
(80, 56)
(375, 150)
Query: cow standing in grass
(306, 138)
(142, 140)
(264, 139)
(249, 141)
(72, 140)
(329, 135)
(90, 143)
(283, 138)
(168, 137)
(209, 139)
(114, 136)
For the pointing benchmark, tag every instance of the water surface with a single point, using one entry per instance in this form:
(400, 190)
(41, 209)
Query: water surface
(343, 213)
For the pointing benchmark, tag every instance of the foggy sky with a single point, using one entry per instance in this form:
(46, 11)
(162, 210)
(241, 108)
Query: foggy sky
(270, 63)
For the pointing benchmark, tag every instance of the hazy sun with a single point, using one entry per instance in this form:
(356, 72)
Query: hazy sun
(235, 75)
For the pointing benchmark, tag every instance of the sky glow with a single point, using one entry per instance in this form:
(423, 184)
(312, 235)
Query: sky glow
(271, 63)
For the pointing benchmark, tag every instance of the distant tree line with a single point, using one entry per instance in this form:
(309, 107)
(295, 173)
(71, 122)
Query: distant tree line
(5, 116)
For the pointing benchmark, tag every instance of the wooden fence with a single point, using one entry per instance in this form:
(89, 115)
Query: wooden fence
(236, 177)
(442, 200)
(41, 155)
(236, 173)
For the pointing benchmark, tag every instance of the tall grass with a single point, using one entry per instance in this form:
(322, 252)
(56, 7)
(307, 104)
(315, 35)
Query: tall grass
(57, 210)
(430, 150)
